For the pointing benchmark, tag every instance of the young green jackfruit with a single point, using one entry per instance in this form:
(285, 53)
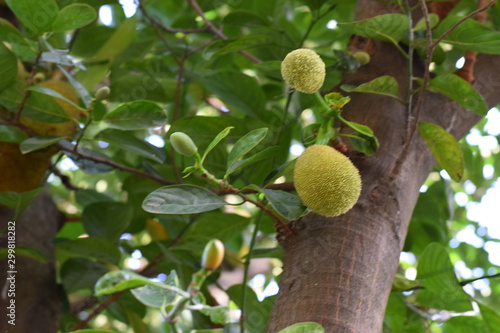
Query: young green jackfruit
(303, 70)
(183, 144)
(326, 181)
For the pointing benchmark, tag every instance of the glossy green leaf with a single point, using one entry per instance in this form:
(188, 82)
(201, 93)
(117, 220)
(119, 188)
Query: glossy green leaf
(107, 219)
(469, 35)
(244, 43)
(219, 225)
(116, 281)
(181, 199)
(306, 327)
(386, 27)
(155, 296)
(36, 15)
(286, 204)
(260, 156)
(460, 91)
(73, 16)
(11, 134)
(237, 90)
(38, 142)
(79, 273)
(118, 41)
(222, 135)
(80, 89)
(91, 248)
(363, 143)
(53, 93)
(245, 144)
(131, 143)
(8, 67)
(436, 273)
(363, 129)
(490, 317)
(384, 85)
(136, 115)
(445, 149)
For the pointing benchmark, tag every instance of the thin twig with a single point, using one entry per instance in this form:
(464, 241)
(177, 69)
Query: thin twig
(217, 32)
(409, 105)
(465, 282)
(112, 298)
(313, 23)
(27, 92)
(65, 180)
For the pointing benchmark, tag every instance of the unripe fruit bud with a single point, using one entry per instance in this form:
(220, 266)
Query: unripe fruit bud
(39, 78)
(102, 94)
(303, 70)
(213, 254)
(326, 181)
(183, 144)
(362, 57)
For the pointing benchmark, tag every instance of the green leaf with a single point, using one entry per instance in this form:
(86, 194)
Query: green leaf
(116, 281)
(136, 115)
(53, 93)
(245, 18)
(91, 248)
(388, 27)
(118, 41)
(365, 130)
(155, 296)
(36, 15)
(244, 43)
(245, 144)
(260, 156)
(384, 85)
(181, 199)
(286, 204)
(107, 219)
(218, 314)
(469, 35)
(445, 149)
(464, 324)
(8, 67)
(92, 331)
(490, 317)
(80, 89)
(27, 251)
(436, 273)
(38, 142)
(11, 134)
(79, 273)
(222, 226)
(224, 133)
(363, 143)
(129, 142)
(73, 16)
(87, 165)
(9, 33)
(237, 90)
(421, 25)
(19, 201)
(460, 91)
(306, 327)
(253, 308)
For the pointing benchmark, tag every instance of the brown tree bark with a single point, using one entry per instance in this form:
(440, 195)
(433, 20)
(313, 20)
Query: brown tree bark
(338, 271)
(37, 301)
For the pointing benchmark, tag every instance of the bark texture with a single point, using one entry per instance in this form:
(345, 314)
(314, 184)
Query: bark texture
(338, 271)
(37, 301)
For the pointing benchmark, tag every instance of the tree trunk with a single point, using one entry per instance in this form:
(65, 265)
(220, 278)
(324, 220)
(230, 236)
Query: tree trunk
(37, 301)
(338, 271)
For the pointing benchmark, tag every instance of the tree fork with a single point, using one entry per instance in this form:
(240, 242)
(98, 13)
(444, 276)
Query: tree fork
(340, 270)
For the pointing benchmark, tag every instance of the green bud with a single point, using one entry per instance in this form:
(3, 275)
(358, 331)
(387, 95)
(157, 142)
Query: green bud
(303, 70)
(212, 255)
(102, 94)
(362, 57)
(39, 77)
(183, 144)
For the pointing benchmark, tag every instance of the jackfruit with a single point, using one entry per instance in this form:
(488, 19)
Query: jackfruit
(303, 70)
(183, 144)
(326, 181)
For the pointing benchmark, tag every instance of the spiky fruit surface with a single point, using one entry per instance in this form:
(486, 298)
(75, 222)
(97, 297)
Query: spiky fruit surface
(66, 128)
(183, 144)
(326, 181)
(303, 70)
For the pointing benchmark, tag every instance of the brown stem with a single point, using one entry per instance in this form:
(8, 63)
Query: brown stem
(98, 310)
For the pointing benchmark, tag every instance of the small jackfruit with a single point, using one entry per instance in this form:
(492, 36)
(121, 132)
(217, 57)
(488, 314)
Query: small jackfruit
(183, 144)
(362, 57)
(213, 254)
(326, 181)
(303, 70)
